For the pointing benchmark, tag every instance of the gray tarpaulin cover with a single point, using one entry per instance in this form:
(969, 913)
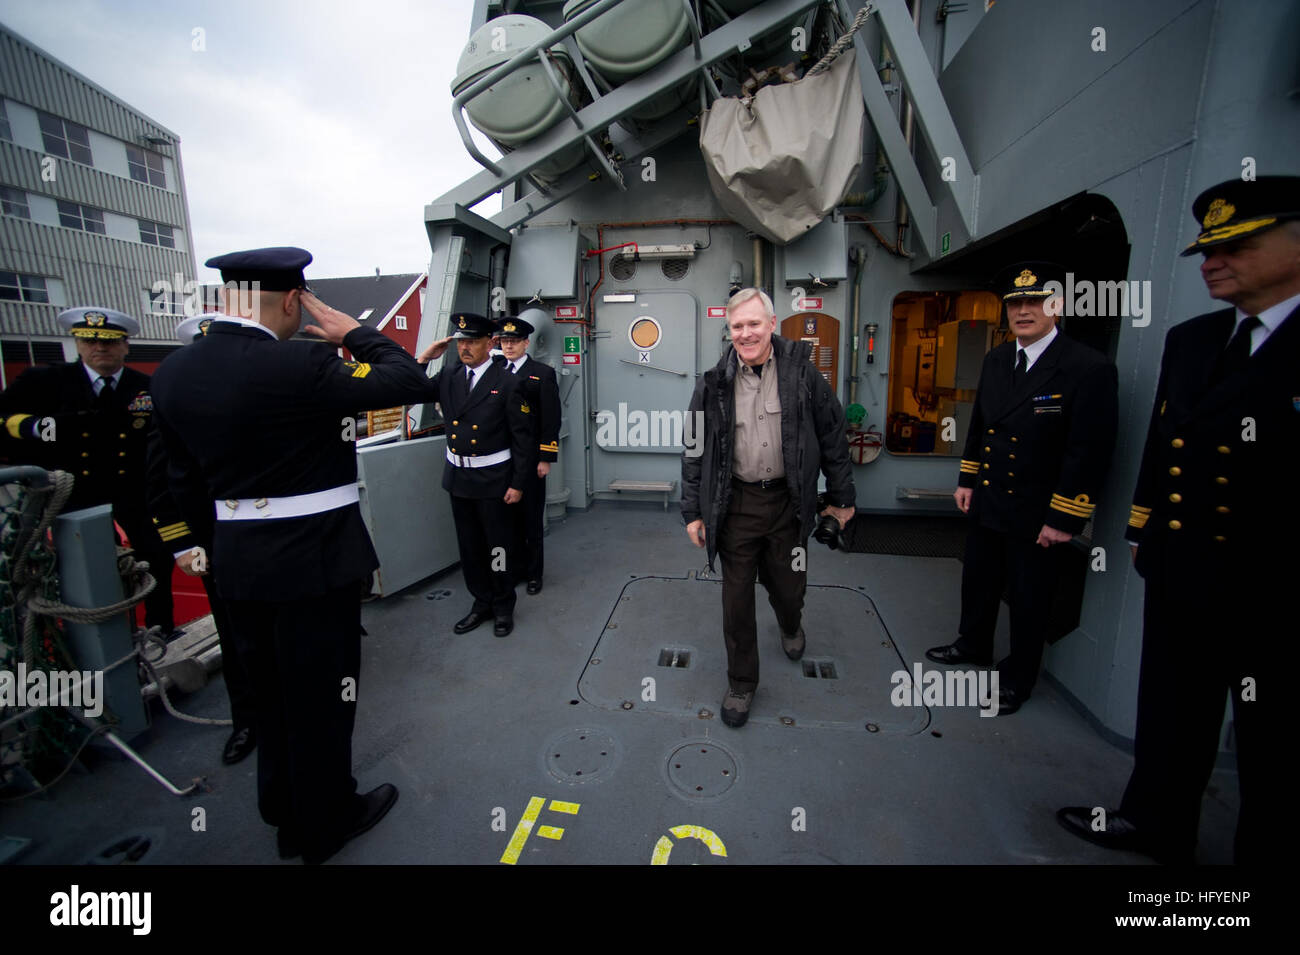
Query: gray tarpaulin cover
(780, 161)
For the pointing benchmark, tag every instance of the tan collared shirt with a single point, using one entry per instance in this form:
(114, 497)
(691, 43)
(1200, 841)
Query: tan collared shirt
(756, 454)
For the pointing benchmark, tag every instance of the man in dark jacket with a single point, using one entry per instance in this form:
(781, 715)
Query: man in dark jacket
(257, 433)
(1212, 524)
(1037, 451)
(91, 418)
(749, 482)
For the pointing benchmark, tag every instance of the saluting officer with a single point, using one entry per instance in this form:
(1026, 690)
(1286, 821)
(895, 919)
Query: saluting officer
(1040, 442)
(91, 418)
(183, 540)
(489, 455)
(1214, 524)
(541, 395)
(256, 432)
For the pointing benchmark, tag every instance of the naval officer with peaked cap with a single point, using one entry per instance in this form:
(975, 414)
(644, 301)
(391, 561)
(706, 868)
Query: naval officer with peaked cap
(255, 432)
(1037, 451)
(1215, 524)
(541, 396)
(191, 546)
(101, 412)
(489, 454)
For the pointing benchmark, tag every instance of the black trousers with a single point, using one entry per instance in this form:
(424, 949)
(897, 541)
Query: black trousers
(485, 532)
(235, 669)
(759, 537)
(300, 653)
(1204, 639)
(996, 562)
(159, 609)
(529, 514)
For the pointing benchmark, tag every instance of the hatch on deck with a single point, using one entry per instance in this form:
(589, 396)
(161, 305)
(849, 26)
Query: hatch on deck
(669, 629)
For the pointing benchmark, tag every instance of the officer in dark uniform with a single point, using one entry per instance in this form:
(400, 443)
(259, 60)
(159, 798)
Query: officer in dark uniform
(91, 418)
(1215, 526)
(191, 547)
(257, 431)
(1040, 441)
(541, 395)
(489, 456)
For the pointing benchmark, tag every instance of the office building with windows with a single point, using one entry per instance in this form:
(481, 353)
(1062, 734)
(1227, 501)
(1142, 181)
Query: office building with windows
(93, 208)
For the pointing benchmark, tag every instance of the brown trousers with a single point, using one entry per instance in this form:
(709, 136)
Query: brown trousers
(760, 537)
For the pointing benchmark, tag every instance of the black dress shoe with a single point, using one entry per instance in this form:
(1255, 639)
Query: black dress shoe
(952, 654)
(374, 806)
(242, 742)
(1009, 701)
(504, 624)
(535, 586)
(471, 620)
(1119, 832)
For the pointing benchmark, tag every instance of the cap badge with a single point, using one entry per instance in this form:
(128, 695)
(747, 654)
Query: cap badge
(462, 321)
(510, 326)
(1220, 211)
(204, 325)
(1026, 279)
(95, 319)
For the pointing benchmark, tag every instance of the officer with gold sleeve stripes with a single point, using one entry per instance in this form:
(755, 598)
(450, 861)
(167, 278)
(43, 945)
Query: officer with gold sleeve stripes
(1040, 441)
(91, 418)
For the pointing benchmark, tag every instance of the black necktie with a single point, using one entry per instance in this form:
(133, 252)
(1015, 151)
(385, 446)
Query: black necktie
(1233, 358)
(106, 391)
(1022, 365)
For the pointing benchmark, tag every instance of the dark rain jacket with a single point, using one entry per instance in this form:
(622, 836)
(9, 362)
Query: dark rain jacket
(812, 439)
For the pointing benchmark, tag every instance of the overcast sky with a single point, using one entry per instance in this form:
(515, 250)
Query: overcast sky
(323, 124)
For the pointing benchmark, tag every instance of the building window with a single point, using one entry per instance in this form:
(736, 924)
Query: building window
(14, 202)
(85, 218)
(146, 166)
(5, 131)
(16, 287)
(155, 233)
(65, 139)
(401, 323)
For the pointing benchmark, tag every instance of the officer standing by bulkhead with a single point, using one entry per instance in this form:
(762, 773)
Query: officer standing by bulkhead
(489, 455)
(541, 396)
(91, 418)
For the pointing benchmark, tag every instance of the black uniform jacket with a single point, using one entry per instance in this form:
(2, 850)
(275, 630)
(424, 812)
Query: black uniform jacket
(104, 450)
(541, 395)
(1037, 453)
(243, 416)
(490, 419)
(1219, 468)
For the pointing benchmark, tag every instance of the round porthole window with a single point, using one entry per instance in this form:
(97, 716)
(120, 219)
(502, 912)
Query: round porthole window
(644, 333)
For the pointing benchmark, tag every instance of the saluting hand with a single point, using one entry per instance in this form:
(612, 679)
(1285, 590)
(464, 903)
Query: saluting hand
(434, 351)
(333, 324)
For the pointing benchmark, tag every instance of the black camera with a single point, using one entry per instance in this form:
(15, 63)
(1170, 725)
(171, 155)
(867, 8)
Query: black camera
(828, 530)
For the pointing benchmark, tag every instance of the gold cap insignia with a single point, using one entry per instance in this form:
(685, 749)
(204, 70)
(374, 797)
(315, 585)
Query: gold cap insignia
(204, 325)
(1026, 279)
(510, 327)
(462, 321)
(1220, 211)
(95, 319)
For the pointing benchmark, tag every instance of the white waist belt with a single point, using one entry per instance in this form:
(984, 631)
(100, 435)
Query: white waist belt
(478, 460)
(299, 505)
